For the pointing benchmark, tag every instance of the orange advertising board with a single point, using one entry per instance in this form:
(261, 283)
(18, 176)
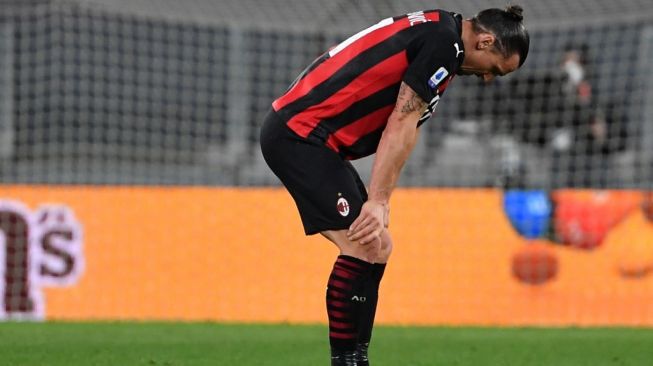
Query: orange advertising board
(228, 254)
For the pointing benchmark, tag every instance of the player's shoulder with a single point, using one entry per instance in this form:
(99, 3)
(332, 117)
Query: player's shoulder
(442, 34)
(446, 24)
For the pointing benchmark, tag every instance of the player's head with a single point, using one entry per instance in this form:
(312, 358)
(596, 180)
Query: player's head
(497, 43)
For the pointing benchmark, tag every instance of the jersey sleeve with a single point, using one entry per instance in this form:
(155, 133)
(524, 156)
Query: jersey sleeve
(434, 60)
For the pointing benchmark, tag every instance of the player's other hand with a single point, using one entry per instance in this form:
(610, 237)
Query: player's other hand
(369, 224)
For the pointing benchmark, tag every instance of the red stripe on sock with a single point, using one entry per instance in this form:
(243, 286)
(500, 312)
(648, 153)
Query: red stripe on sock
(340, 304)
(340, 335)
(348, 262)
(337, 314)
(342, 325)
(339, 284)
(344, 273)
(336, 294)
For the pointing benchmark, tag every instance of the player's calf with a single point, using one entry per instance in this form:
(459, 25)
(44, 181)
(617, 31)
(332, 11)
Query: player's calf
(345, 298)
(368, 311)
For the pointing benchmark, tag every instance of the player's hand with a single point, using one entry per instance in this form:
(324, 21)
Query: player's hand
(370, 223)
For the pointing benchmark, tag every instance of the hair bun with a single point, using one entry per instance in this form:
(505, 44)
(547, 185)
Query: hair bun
(515, 12)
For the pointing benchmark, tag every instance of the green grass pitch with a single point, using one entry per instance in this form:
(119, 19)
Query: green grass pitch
(177, 344)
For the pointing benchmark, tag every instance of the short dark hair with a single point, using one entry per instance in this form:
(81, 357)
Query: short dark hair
(507, 27)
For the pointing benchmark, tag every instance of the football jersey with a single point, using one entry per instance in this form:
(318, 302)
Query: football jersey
(344, 98)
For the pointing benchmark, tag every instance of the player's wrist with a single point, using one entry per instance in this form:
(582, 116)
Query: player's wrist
(379, 202)
(379, 196)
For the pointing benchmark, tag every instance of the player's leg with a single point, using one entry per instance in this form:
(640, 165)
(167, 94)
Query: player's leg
(379, 257)
(329, 196)
(363, 294)
(369, 252)
(347, 294)
(366, 319)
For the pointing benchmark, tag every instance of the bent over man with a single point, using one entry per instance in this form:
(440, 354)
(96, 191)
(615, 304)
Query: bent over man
(369, 95)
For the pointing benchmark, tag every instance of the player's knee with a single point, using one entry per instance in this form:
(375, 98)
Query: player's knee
(386, 247)
(368, 252)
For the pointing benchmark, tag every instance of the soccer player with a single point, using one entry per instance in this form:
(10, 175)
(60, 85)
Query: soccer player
(367, 95)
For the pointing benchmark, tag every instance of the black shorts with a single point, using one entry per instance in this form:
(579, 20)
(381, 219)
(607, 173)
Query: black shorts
(328, 191)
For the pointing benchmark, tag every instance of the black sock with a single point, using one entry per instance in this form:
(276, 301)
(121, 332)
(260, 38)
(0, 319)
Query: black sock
(368, 310)
(345, 295)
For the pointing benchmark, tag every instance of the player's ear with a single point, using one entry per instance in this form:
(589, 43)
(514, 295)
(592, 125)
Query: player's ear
(485, 41)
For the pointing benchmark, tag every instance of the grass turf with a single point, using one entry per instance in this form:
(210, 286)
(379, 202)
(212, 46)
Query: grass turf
(177, 344)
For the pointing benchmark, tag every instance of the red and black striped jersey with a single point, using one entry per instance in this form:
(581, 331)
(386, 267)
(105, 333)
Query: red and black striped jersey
(344, 98)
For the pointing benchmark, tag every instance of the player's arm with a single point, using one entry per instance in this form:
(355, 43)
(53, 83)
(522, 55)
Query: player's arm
(394, 148)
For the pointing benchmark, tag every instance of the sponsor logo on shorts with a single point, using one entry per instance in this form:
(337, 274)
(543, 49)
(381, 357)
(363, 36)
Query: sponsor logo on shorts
(343, 207)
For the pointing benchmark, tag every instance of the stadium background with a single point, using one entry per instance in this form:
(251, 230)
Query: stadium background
(133, 187)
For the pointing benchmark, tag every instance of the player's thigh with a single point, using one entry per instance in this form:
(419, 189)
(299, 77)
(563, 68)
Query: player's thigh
(327, 190)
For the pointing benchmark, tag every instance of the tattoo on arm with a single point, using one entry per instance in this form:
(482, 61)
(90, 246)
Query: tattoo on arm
(409, 101)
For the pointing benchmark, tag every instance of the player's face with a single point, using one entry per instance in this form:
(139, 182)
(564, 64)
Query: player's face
(487, 64)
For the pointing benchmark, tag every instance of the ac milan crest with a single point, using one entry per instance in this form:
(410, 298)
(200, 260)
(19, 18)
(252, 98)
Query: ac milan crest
(343, 207)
